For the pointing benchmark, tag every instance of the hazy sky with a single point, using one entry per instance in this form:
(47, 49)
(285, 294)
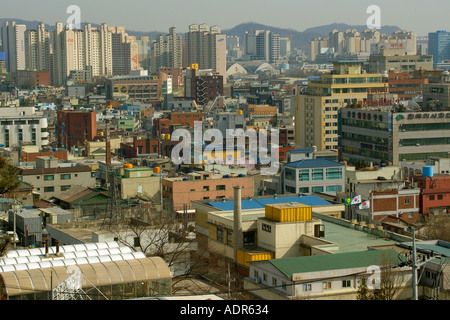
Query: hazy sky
(418, 16)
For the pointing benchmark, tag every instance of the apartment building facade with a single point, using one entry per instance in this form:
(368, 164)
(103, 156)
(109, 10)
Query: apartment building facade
(206, 47)
(23, 126)
(167, 51)
(13, 44)
(316, 111)
(377, 135)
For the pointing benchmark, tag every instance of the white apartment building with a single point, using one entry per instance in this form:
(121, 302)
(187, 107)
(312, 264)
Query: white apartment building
(37, 49)
(107, 51)
(167, 51)
(13, 44)
(21, 126)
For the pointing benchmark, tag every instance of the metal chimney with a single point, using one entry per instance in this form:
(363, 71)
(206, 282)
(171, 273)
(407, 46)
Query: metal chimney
(237, 229)
(46, 247)
(57, 247)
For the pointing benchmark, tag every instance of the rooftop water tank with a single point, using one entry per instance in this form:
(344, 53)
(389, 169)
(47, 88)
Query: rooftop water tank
(427, 171)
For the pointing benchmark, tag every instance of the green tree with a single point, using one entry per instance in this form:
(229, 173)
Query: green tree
(5, 243)
(9, 181)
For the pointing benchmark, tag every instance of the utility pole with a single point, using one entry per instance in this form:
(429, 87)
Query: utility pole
(414, 266)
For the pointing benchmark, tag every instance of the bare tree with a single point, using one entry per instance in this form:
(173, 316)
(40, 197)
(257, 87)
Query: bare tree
(437, 227)
(391, 280)
(157, 233)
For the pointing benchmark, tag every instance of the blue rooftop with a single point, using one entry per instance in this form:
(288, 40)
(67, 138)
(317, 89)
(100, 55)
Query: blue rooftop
(261, 203)
(306, 150)
(314, 163)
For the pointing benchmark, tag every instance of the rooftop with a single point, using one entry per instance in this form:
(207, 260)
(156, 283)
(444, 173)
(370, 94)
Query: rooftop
(351, 240)
(314, 163)
(260, 203)
(291, 266)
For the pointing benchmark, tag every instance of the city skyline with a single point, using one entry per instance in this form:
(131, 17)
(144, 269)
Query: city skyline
(146, 16)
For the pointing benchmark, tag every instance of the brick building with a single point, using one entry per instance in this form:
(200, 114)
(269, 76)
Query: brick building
(73, 128)
(139, 147)
(405, 86)
(202, 186)
(435, 192)
(403, 203)
(202, 85)
(173, 120)
(32, 78)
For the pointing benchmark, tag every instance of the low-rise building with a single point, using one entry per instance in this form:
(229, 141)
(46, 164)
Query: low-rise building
(323, 277)
(182, 190)
(23, 126)
(139, 182)
(51, 176)
(434, 192)
(313, 175)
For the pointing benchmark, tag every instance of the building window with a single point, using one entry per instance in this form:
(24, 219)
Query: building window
(290, 189)
(249, 238)
(406, 200)
(265, 277)
(307, 287)
(304, 175)
(65, 176)
(317, 189)
(229, 237)
(49, 177)
(346, 283)
(220, 187)
(317, 174)
(220, 236)
(64, 188)
(431, 197)
(304, 190)
(274, 281)
(326, 285)
(334, 188)
(334, 173)
(206, 188)
(283, 285)
(289, 174)
(440, 197)
(49, 189)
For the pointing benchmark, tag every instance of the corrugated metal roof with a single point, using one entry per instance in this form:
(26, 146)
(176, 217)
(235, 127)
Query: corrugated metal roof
(290, 266)
(261, 203)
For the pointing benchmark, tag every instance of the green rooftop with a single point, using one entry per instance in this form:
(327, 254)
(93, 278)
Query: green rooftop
(290, 266)
(351, 240)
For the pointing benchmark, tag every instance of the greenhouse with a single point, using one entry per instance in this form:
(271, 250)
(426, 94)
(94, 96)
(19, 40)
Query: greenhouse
(118, 276)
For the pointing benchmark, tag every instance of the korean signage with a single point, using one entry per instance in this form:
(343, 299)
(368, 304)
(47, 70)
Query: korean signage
(380, 102)
(427, 115)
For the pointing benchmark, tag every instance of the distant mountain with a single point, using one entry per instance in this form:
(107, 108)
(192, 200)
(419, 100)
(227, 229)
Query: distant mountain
(300, 39)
